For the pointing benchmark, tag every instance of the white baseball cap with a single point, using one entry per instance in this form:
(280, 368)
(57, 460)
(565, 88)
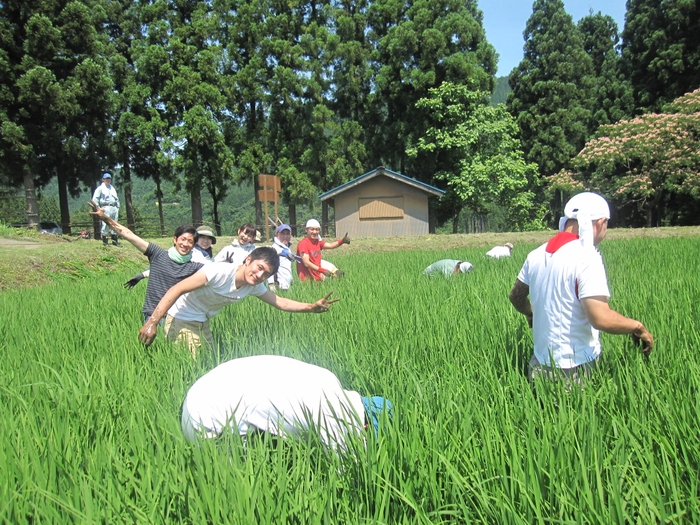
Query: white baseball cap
(312, 223)
(465, 267)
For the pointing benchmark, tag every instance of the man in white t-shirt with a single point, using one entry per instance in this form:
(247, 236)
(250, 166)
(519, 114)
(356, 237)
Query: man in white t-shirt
(500, 251)
(568, 295)
(193, 301)
(280, 396)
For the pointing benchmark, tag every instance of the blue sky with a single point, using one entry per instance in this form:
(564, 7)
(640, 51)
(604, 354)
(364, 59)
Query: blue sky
(504, 21)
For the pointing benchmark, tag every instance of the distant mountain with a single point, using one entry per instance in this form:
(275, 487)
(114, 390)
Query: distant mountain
(500, 94)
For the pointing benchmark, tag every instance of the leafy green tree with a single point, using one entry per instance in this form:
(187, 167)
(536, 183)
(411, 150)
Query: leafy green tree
(612, 92)
(477, 153)
(661, 50)
(195, 104)
(552, 88)
(418, 45)
(55, 97)
(244, 31)
(642, 161)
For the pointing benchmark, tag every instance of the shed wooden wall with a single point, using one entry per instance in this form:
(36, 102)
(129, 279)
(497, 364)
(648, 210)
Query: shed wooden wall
(415, 207)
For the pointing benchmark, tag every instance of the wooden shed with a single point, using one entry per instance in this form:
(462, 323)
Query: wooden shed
(381, 203)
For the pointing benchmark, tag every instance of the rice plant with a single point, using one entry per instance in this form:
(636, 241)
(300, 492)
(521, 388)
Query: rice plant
(91, 419)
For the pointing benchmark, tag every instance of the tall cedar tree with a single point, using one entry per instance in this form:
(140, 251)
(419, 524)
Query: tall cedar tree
(612, 92)
(55, 97)
(552, 87)
(661, 50)
(418, 45)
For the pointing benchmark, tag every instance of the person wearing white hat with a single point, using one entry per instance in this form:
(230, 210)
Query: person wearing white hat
(284, 276)
(562, 290)
(448, 268)
(105, 196)
(202, 252)
(500, 251)
(309, 250)
(282, 397)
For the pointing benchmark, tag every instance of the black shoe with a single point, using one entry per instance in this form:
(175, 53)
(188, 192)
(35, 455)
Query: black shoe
(105, 242)
(115, 240)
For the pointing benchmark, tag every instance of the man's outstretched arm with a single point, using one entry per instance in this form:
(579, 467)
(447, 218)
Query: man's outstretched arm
(122, 231)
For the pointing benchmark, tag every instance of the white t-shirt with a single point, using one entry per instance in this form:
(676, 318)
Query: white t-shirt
(234, 253)
(275, 394)
(563, 336)
(220, 289)
(284, 276)
(498, 251)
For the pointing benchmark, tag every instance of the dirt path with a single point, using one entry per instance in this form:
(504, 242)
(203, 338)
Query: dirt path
(12, 243)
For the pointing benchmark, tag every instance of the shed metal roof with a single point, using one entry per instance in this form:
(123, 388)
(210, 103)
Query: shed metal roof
(387, 173)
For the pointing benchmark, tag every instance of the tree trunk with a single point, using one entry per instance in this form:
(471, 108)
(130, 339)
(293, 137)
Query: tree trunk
(126, 184)
(30, 196)
(293, 218)
(63, 201)
(455, 222)
(159, 197)
(215, 210)
(196, 200)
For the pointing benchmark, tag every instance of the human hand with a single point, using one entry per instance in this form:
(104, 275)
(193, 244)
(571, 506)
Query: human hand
(148, 332)
(345, 239)
(95, 209)
(322, 305)
(643, 336)
(133, 281)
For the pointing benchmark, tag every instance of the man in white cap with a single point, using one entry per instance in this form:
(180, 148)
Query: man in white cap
(448, 268)
(309, 249)
(568, 295)
(500, 251)
(202, 252)
(105, 196)
(279, 396)
(284, 276)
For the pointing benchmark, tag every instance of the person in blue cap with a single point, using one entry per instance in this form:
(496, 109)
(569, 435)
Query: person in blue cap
(106, 198)
(284, 276)
(280, 396)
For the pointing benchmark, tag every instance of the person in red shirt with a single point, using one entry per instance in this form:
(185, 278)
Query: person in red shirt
(309, 249)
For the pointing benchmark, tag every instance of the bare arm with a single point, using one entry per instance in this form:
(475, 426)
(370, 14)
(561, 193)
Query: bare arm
(605, 319)
(148, 331)
(122, 231)
(520, 301)
(333, 245)
(289, 305)
(306, 261)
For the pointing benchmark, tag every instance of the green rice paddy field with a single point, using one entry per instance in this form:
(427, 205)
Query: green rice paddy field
(90, 419)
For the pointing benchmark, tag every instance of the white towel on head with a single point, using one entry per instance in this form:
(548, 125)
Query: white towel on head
(585, 208)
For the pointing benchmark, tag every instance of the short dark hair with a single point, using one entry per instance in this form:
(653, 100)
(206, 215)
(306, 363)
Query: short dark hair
(248, 229)
(266, 254)
(186, 228)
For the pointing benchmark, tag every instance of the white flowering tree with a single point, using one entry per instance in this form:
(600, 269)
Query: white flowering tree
(641, 160)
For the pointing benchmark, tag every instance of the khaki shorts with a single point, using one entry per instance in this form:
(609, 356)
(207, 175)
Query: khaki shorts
(191, 332)
(571, 376)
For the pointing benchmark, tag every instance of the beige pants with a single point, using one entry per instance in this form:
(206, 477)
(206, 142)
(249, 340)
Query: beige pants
(191, 332)
(572, 376)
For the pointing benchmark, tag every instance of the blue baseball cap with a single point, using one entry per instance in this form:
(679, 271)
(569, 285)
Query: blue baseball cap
(283, 227)
(106, 176)
(374, 407)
